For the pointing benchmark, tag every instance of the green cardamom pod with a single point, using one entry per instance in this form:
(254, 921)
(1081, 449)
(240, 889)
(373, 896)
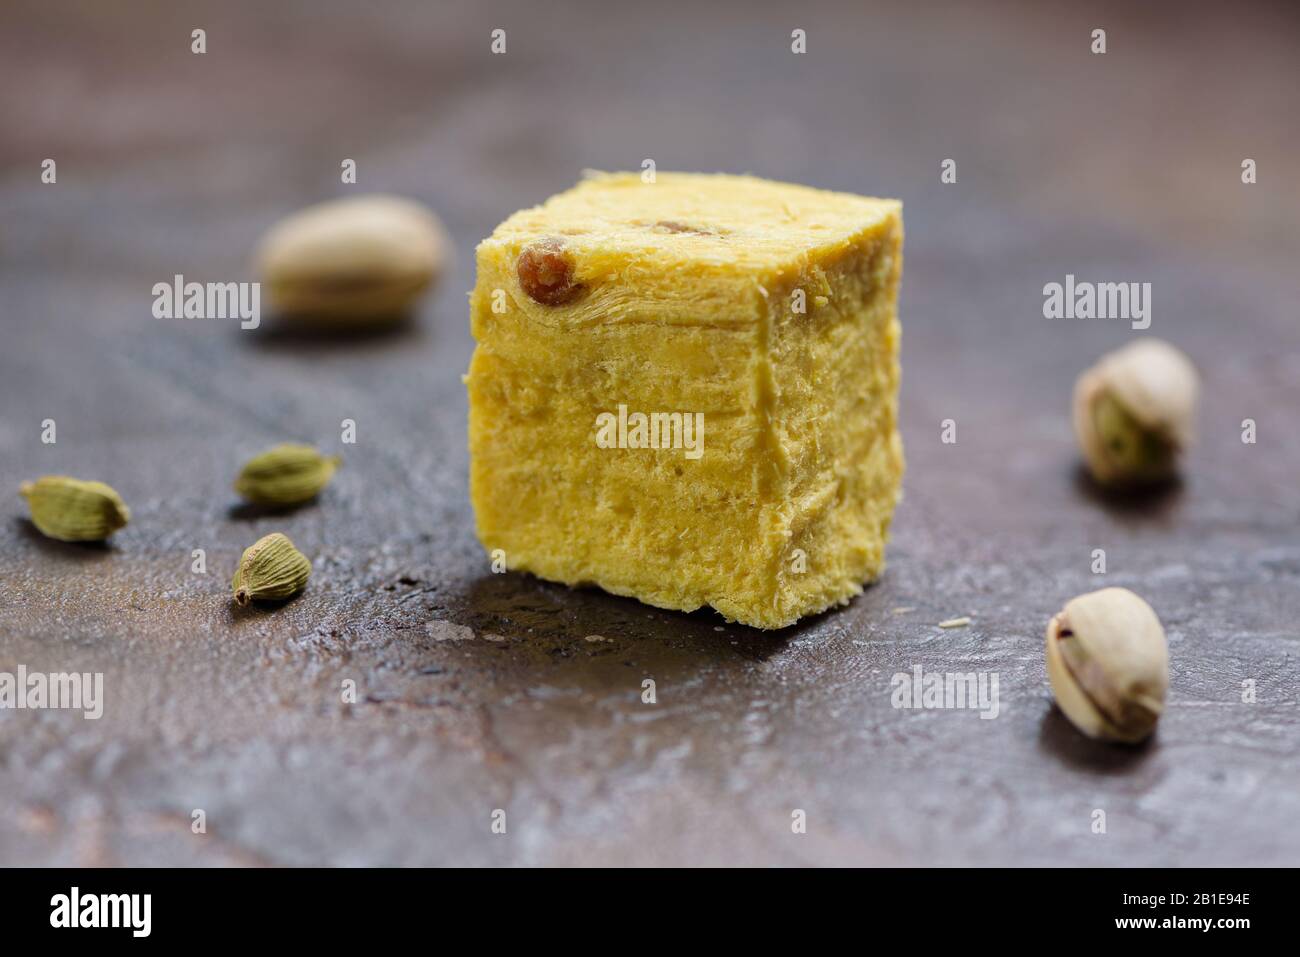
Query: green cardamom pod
(270, 568)
(74, 511)
(286, 475)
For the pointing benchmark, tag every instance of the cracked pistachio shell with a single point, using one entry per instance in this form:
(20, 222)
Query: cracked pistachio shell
(286, 475)
(270, 568)
(72, 510)
(352, 262)
(1134, 412)
(1108, 664)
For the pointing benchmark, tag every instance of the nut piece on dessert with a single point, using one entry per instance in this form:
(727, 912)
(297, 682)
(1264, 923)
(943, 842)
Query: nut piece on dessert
(686, 392)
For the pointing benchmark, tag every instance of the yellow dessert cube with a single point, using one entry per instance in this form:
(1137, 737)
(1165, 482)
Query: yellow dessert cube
(686, 391)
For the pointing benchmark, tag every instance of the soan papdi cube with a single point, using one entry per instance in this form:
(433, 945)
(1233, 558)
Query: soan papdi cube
(686, 390)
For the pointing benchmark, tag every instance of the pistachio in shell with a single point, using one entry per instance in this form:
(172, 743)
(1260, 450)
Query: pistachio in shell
(1134, 413)
(352, 263)
(1108, 664)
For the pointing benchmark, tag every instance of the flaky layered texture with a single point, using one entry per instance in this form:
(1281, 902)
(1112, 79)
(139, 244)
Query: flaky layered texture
(686, 302)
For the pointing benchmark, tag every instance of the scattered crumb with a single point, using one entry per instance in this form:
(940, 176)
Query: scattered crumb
(489, 636)
(597, 638)
(955, 622)
(718, 628)
(904, 609)
(447, 631)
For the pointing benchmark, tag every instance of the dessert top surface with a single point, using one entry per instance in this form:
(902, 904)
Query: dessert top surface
(740, 222)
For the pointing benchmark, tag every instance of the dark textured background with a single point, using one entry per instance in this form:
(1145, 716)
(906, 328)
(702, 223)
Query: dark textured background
(481, 691)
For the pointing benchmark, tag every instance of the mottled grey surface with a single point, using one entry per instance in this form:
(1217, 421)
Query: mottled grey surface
(479, 692)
